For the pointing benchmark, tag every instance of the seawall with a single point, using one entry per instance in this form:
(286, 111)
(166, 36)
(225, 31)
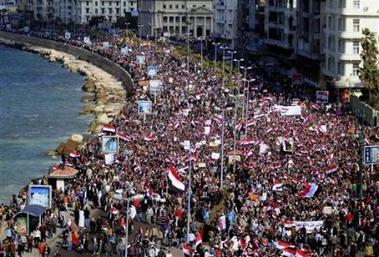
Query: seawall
(80, 53)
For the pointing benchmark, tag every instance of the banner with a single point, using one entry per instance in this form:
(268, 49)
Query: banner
(144, 106)
(287, 110)
(310, 226)
(140, 59)
(371, 154)
(152, 71)
(322, 96)
(109, 158)
(109, 144)
(40, 195)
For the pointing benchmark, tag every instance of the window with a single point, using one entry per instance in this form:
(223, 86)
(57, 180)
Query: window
(87, 10)
(331, 43)
(194, 5)
(176, 6)
(355, 47)
(329, 22)
(164, 19)
(110, 3)
(102, 10)
(117, 10)
(341, 3)
(110, 10)
(341, 46)
(355, 69)
(356, 25)
(124, 4)
(117, 3)
(341, 24)
(356, 4)
(164, 6)
(95, 11)
(341, 68)
(102, 3)
(96, 3)
(171, 19)
(170, 6)
(87, 3)
(183, 6)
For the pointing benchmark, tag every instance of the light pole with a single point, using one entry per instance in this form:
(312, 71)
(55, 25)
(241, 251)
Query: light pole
(140, 30)
(201, 52)
(215, 44)
(247, 102)
(223, 63)
(244, 86)
(189, 191)
(231, 60)
(238, 61)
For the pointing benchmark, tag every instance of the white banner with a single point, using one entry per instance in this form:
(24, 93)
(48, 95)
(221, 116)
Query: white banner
(287, 110)
(310, 226)
(109, 158)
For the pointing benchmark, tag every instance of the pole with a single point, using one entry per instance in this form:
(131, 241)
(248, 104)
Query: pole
(234, 136)
(201, 52)
(189, 195)
(247, 107)
(222, 148)
(361, 162)
(215, 54)
(127, 227)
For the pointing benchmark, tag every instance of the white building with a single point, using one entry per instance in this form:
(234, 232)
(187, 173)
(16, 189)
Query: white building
(225, 21)
(169, 17)
(280, 23)
(345, 20)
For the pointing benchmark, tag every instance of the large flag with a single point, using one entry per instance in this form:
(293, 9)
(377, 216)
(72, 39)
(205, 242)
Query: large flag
(289, 252)
(122, 136)
(187, 251)
(309, 190)
(246, 141)
(174, 180)
(302, 253)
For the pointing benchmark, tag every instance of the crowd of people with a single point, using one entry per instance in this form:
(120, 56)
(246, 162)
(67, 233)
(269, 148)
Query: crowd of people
(292, 184)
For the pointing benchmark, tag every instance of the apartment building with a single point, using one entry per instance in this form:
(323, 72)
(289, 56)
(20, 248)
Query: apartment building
(225, 21)
(280, 23)
(345, 20)
(175, 17)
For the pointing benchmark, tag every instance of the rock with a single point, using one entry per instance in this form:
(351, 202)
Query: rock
(87, 109)
(88, 98)
(103, 119)
(77, 138)
(67, 147)
(89, 85)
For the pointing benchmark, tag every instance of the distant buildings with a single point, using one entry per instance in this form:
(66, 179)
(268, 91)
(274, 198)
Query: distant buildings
(175, 18)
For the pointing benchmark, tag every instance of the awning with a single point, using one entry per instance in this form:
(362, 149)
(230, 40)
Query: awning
(33, 209)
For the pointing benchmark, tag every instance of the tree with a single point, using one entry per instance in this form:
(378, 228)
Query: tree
(369, 72)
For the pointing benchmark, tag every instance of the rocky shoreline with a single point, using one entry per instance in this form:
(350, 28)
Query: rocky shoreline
(105, 99)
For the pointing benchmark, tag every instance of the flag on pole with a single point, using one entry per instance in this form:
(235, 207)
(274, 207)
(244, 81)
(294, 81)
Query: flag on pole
(174, 180)
(302, 253)
(309, 190)
(246, 141)
(187, 251)
(74, 154)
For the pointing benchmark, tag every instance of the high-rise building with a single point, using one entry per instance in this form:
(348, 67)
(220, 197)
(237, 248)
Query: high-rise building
(174, 17)
(344, 22)
(226, 21)
(280, 23)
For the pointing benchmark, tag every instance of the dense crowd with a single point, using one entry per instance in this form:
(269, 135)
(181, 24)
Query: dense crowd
(292, 184)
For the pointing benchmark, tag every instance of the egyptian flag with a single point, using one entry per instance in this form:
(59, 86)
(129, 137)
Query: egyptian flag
(187, 251)
(289, 252)
(283, 245)
(174, 180)
(109, 129)
(302, 253)
(199, 237)
(330, 169)
(246, 141)
(122, 136)
(149, 138)
(309, 190)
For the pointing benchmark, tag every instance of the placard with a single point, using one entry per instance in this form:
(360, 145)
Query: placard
(371, 154)
(152, 71)
(67, 35)
(40, 195)
(322, 96)
(125, 50)
(155, 86)
(105, 45)
(109, 144)
(87, 40)
(144, 106)
(140, 59)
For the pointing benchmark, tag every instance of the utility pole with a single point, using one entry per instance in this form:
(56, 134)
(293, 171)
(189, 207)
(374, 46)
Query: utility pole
(189, 194)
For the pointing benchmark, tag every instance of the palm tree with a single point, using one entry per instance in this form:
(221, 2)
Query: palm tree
(369, 72)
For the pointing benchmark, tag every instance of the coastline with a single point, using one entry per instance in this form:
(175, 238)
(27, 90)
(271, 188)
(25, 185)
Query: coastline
(105, 100)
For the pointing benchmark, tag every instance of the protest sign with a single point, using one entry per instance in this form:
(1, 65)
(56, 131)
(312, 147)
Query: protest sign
(105, 45)
(322, 96)
(155, 86)
(67, 35)
(144, 106)
(152, 71)
(371, 154)
(87, 40)
(109, 144)
(40, 195)
(140, 59)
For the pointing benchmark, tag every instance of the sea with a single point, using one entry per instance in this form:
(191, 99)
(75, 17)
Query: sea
(40, 103)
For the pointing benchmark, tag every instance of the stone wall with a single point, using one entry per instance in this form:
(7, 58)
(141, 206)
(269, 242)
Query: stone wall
(82, 54)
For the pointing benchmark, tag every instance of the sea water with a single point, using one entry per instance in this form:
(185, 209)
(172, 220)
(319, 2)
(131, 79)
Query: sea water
(40, 103)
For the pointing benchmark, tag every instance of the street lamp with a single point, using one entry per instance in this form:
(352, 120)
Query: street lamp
(244, 86)
(223, 61)
(231, 60)
(189, 191)
(238, 61)
(247, 102)
(201, 51)
(140, 30)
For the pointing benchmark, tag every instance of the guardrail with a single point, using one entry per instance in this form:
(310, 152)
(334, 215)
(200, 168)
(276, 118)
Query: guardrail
(80, 53)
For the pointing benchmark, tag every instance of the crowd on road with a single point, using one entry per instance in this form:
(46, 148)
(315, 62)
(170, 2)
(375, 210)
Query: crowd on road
(292, 184)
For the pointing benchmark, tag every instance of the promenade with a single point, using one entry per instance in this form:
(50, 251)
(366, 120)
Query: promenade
(271, 172)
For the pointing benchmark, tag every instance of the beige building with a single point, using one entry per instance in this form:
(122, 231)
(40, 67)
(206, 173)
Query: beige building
(169, 17)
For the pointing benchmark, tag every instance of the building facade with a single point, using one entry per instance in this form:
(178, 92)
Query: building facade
(175, 18)
(280, 23)
(225, 21)
(344, 22)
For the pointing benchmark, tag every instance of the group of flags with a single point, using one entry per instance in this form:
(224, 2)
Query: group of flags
(187, 249)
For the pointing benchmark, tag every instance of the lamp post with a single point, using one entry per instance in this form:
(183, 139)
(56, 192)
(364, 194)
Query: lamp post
(189, 194)
(140, 30)
(247, 102)
(238, 61)
(215, 44)
(201, 52)
(244, 86)
(231, 60)
(223, 64)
